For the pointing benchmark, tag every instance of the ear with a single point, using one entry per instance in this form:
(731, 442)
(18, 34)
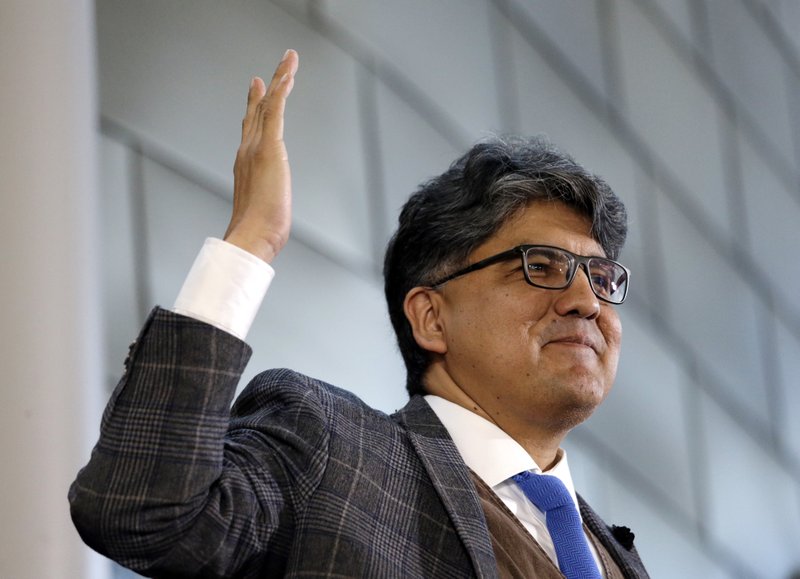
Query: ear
(422, 306)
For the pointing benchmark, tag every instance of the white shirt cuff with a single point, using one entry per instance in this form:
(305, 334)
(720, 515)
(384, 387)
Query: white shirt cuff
(225, 287)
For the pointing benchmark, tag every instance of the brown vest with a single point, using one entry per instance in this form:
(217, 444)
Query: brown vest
(518, 554)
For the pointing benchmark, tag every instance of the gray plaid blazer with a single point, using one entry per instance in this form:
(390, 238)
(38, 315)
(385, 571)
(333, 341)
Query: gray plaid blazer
(299, 479)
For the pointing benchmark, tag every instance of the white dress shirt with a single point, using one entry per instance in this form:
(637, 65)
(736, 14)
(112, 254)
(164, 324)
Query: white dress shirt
(496, 457)
(225, 288)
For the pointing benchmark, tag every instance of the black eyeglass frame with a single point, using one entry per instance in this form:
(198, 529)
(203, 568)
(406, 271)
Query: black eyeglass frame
(522, 252)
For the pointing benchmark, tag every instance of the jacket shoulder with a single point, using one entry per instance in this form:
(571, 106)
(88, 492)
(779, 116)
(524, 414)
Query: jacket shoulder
(283, 386)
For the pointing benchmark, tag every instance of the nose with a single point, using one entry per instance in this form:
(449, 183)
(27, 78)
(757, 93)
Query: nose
(578, 298)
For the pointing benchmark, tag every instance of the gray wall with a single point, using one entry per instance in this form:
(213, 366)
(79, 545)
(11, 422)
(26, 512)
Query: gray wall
(51, 377)
(690, 109)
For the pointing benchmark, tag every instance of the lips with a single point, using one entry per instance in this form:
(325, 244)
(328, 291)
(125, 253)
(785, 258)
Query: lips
(574, 332)
(575, 339)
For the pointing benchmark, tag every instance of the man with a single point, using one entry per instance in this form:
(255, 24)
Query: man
(510, 336)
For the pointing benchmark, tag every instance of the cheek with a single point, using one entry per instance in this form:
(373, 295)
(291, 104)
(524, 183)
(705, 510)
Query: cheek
(612, 332)
(501, 326)
(499, 340)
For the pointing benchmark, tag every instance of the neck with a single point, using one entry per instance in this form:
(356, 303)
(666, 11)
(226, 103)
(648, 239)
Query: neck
(541, 442)
(543, 448)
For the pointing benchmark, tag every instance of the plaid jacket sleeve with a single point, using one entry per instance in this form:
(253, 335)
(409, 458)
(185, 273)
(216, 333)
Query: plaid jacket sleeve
(166, 492)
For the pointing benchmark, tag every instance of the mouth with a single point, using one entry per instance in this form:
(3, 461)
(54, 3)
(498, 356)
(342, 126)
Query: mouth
(575, 341)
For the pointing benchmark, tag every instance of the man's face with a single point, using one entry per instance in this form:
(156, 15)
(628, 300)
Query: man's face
(529, 357)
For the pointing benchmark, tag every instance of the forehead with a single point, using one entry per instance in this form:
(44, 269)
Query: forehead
(545, 223)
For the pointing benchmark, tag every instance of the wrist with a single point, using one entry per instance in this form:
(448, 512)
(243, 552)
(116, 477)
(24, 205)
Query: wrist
(258, 245)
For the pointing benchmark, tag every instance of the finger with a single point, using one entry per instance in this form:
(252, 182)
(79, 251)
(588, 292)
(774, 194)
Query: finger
(270, 111)
(275, 107)
(254, 96)
(287, 65)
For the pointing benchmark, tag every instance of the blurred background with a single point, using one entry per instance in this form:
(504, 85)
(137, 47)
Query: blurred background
(120, 125)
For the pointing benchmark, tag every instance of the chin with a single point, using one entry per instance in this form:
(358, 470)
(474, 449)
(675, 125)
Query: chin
(580, 402)
(583, 379)
(577, 414)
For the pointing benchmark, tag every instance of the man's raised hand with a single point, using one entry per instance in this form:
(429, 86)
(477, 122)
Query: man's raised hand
(262, 191)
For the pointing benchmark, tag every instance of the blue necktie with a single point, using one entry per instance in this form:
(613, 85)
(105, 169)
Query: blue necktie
(551, 497)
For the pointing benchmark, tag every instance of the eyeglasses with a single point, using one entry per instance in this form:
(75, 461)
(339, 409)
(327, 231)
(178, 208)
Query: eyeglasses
(555, 268)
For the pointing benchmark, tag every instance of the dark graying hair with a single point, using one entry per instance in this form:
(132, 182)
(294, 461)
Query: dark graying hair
(448, 217)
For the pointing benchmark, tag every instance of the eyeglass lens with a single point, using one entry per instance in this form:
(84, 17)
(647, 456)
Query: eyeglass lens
(554, 268)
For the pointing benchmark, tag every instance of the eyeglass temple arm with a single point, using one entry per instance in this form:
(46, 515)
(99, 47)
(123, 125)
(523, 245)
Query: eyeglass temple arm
(506, 255)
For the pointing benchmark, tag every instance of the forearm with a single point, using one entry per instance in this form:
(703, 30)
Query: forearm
(162, 437)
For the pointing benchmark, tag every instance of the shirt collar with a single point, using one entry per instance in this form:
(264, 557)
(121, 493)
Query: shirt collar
(491, 453)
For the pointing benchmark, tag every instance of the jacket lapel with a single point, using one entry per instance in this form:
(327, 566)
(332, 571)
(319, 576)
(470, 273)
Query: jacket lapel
(618, 541)
(452, 481)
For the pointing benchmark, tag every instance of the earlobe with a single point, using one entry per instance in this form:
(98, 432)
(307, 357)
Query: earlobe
(422, 309)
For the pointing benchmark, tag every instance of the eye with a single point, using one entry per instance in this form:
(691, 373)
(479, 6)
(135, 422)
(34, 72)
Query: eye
(541, 267)
(538, 268)
(603, 284)
(547, 269)
(548, 266)
(608, 278)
